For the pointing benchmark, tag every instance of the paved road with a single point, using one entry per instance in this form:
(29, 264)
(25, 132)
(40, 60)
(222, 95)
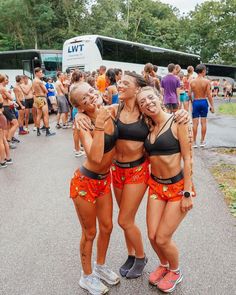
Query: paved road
(221, 129)
(39, 231)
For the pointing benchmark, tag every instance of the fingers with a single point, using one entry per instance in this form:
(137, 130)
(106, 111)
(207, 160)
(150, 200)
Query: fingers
(186, 208)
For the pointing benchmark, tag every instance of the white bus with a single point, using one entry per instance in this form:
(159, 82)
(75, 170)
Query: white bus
(21, 62)
(89, 52)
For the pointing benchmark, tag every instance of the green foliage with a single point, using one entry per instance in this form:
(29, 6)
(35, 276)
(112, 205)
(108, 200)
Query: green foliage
(209, 30)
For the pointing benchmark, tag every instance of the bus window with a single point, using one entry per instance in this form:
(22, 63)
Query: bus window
(109, 50)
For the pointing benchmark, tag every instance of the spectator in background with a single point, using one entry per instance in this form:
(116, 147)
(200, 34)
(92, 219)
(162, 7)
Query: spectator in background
(51, 95)
(112, 96)
(183, 97)
(27, 89)
(101, 80)
(170, 85)
(63, 105)
(177, 70)
(20, 99)
(118, 73)
(5, 159)
(8, 107)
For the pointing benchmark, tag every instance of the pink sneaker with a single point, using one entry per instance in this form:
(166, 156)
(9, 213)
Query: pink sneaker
(157, 275)
(170, 281)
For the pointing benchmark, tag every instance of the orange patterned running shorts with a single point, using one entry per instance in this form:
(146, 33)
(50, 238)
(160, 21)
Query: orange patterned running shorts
(135, 175)
(89, 189)
(166, 192)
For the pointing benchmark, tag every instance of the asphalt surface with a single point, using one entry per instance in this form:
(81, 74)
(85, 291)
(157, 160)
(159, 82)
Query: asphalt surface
(40, 233)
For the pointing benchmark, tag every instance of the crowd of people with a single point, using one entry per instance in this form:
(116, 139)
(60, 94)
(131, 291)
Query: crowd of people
(136, 133)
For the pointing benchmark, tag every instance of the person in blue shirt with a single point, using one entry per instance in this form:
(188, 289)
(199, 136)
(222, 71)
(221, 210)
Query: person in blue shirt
(51, 96)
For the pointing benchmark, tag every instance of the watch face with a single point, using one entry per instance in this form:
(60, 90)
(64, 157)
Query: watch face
(186, 194)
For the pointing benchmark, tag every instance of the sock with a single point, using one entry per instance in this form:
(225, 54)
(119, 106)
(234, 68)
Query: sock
(175, 270)
(164, 265)
(47, 129)
(38, 129)
(127, 265)
(137, 269)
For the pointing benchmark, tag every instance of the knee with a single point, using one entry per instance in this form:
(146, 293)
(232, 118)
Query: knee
(124, 223)
(161, 240)
(106, 228)
(152, 236)
(90, 234)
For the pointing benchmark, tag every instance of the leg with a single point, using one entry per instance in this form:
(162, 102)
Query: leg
(2, 148)
(45, 116)
(186, 105)
(34, 114)
(104, 207)
(39, 116)
(21, 119)
(118, 195)
(27, 112)
(87, 216)
(6, 145)
(13, 126)
(170, 221)
(132, 196)
(203, 128)
(155, 209)
(195, 127)
(76, 139)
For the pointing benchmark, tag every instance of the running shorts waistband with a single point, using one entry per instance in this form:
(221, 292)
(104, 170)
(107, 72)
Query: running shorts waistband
(92, 174)
(171, 180)
(130, 164)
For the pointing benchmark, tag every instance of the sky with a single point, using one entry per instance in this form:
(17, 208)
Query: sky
(184, 5)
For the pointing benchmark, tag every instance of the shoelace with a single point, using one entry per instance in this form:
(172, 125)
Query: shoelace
(168, 277)
(94, 279)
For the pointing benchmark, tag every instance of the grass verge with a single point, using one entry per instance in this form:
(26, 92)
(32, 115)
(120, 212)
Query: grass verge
(227, 109)
(225, 175)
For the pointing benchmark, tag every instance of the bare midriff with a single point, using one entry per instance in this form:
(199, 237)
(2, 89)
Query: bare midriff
(129, 151)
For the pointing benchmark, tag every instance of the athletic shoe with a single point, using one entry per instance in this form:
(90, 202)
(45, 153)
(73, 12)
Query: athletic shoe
(92, 284)
(202, 144)
(195, 145)
(81, 148)
(105, 274)
(38, 133)
(43, 128)
(3, 165)
(11, 145)
(170, 281)
(58, 126)
(35, 128)
(157, 275)
(50, 133)
(79, 154)
(15, 140)
(137, 268)
(23, 132)
(9, 161)
(26, 129)
(64, 126)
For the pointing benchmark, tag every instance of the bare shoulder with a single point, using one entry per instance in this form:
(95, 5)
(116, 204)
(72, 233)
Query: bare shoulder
(113, 109)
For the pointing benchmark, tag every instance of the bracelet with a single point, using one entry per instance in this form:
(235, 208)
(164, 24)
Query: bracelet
(99, 128)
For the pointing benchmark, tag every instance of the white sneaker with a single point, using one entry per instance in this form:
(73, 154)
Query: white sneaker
(78, 154)
(104, 273)
(202, 144)
(35, 128)
(92, 284)
(195, 145)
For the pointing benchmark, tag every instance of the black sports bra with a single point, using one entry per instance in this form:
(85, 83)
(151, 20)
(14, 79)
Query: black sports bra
(110, 139)
(137, 131)
(165, 144)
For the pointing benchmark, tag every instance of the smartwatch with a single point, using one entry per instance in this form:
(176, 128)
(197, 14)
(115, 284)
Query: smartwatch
(186, 194)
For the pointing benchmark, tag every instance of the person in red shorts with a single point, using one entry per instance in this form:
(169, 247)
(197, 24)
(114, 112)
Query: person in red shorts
(170, 186)
(130, 171)
(91, 187)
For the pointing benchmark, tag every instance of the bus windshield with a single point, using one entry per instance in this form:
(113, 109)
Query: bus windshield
(51, 62)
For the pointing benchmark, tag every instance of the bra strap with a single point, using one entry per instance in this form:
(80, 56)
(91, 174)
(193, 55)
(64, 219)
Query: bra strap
(172, 117)
(120, 108)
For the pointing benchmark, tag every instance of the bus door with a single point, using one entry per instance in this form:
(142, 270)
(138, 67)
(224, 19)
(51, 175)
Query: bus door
(27, 68)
